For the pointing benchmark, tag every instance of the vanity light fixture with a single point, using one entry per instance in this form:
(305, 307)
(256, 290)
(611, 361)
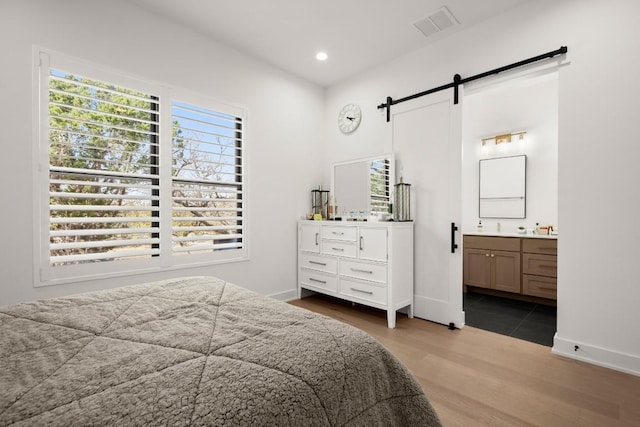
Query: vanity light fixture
(322, 56)
(504, 138)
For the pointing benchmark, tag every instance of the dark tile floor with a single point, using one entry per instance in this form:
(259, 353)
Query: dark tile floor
(519, 319)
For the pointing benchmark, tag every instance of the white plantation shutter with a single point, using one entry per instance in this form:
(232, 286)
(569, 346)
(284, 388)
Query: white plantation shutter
(103, 173)
(207, 209)
(130, 181)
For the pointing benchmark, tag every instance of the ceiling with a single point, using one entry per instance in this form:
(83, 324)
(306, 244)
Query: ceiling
(356, 34)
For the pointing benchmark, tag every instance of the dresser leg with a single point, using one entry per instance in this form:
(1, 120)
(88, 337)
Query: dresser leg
(391, 318)
(410, 312)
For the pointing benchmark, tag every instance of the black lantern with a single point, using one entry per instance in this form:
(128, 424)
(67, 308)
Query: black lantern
(320, 202)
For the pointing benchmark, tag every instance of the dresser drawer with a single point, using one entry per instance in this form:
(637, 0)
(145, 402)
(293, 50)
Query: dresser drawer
(315, 262)
(361, 270)
(348, 234)
(364, 291)
(539, 286)
(541, 265)
(319, 280)
(345, 249)
(540, 246)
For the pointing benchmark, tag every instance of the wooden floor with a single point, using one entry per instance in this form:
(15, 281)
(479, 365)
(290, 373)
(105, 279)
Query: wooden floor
(479, 378)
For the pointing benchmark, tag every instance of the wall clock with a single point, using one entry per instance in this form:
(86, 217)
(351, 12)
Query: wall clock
(349, 118)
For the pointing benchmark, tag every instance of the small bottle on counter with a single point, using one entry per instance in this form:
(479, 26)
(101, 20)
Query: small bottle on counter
(498, 227)
(480, 227)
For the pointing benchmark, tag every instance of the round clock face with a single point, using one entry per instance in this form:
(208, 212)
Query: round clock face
(349, 118)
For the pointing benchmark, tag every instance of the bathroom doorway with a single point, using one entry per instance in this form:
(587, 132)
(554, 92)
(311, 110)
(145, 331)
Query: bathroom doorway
(522, 103)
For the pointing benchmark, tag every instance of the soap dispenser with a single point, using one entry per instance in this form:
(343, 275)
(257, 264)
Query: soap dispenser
(480, 227)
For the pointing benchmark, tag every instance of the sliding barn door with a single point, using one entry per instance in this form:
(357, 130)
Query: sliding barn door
(426, 136)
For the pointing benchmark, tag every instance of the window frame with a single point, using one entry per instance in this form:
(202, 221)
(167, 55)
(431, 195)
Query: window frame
(43, 273)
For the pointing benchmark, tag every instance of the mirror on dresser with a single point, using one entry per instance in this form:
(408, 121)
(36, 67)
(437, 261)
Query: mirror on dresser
(363, 187)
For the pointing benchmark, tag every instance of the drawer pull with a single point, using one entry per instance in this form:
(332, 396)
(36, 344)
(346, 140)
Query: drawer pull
(358, 270)
(338, 249)
(547, 288)
(361, 291)
(311, 279)
(318, 263)
(551, 267)
(338, 233)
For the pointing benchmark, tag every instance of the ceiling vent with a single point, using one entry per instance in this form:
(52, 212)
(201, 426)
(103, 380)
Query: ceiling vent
(437, 21)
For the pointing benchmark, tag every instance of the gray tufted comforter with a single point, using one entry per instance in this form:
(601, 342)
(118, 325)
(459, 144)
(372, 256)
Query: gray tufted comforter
(191, 352)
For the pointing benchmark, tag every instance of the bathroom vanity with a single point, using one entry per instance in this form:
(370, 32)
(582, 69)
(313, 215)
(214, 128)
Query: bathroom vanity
(511, 265)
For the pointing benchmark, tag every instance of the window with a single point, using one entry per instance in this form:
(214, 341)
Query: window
(127, 188)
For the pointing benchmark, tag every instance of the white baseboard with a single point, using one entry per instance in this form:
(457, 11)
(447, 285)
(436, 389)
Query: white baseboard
(437, 311)
(627, 363)
(285, 296)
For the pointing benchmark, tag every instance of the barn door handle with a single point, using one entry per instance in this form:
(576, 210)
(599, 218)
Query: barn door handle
(454, 245)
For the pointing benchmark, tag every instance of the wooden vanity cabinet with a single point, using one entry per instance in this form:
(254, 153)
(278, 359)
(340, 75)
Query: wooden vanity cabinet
(492, 263)
(496, 263)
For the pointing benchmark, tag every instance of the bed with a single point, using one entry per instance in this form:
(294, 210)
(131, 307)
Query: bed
(191, 352)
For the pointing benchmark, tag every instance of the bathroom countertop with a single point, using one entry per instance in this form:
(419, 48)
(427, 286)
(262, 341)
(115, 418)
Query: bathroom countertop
(507, 234)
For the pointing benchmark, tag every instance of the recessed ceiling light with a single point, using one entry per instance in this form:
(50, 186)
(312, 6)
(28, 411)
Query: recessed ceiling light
(321, 56)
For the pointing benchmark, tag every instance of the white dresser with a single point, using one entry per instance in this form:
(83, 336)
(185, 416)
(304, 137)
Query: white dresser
(367, 263)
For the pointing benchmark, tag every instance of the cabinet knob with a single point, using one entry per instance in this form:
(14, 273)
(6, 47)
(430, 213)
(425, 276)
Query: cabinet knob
(486, 254)
(493, 255)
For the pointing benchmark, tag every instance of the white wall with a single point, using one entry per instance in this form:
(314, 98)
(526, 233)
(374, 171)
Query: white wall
(284, 126)
(525, 104)
(598, 176)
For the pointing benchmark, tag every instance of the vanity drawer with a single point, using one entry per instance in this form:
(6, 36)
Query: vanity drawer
(348, 234)
(319, 280)
(541, 265)
(494, 243)
(345, 249)
(539, 286)
(372, 293)
(540, 246)
(361, 270)
(315, 262)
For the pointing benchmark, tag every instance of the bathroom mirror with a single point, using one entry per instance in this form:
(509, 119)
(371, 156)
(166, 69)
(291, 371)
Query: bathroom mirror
(363, 185)
(503, 187)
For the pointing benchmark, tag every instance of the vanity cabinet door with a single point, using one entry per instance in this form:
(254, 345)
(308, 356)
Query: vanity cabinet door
(477, 268)
(499, 270)
(309, 237)
(505, 271)
(372, 244)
